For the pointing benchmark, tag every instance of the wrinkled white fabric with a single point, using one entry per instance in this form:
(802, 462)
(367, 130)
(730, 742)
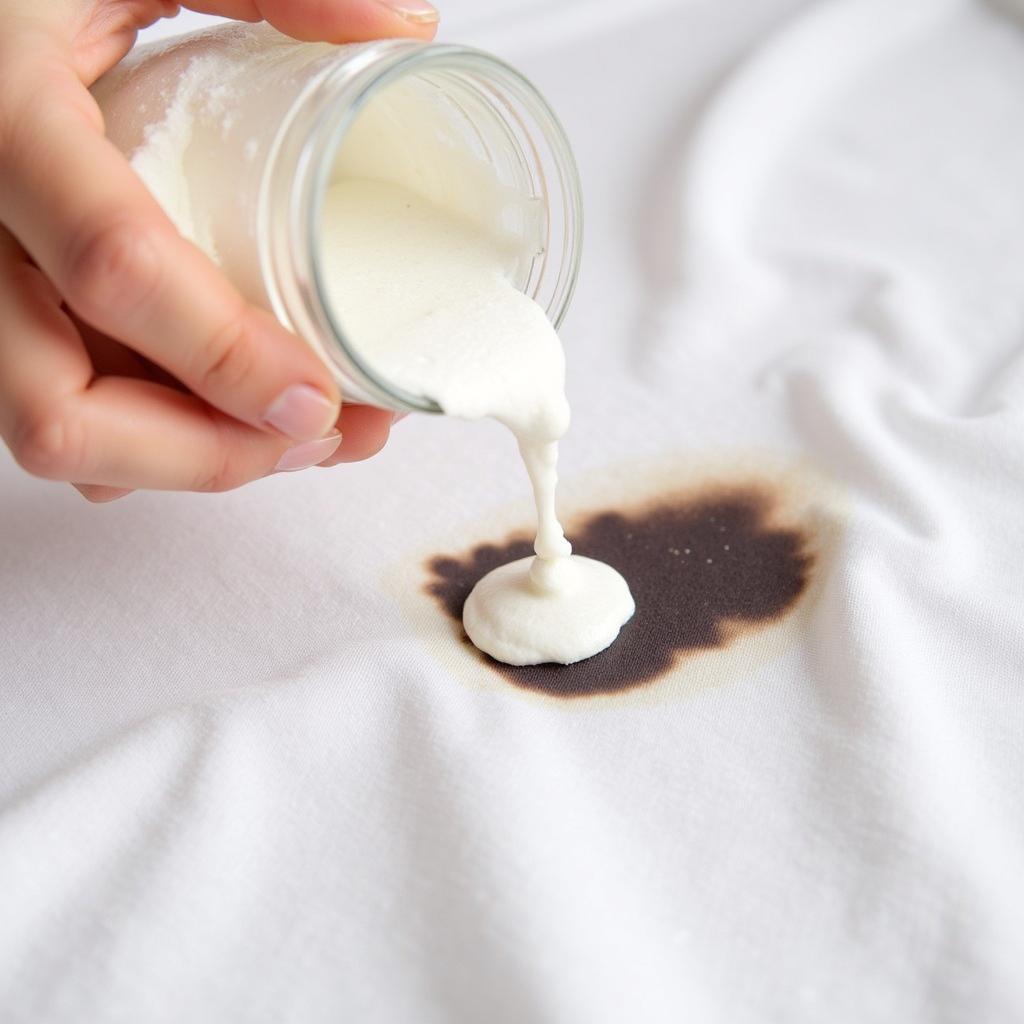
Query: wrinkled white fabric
(248, 772)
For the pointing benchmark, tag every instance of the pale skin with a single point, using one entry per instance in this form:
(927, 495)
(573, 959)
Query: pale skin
(127, 360)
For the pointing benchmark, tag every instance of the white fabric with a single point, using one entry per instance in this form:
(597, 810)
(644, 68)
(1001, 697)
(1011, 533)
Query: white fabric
(248, 772)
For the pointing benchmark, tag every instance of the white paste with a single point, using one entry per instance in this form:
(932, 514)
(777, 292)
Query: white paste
(426, 298)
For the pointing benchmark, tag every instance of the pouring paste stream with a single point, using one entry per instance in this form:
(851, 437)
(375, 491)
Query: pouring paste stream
(426, 298)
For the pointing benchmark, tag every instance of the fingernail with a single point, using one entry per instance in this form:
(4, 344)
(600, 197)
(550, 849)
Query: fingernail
(302, 413)
(302, 456)
(100, 495)
(397, 417)
(419, 12)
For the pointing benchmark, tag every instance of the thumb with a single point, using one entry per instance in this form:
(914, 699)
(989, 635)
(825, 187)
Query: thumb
(332, 21)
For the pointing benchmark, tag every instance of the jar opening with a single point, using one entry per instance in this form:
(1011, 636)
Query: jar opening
(469, 134)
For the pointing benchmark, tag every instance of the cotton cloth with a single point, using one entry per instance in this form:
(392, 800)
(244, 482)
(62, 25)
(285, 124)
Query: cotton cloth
(249, 772)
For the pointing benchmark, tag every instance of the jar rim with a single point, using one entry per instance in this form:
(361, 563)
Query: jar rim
(387, 62)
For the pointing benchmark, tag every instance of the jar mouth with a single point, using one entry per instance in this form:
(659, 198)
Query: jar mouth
(530, 129)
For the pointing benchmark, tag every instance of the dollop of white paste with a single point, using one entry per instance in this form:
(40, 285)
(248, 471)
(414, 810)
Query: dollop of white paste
(519, 617)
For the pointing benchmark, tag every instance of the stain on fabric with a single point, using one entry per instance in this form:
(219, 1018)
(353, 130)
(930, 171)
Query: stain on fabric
(704, 569)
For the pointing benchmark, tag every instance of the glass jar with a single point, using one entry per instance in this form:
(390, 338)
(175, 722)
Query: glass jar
(237, 131)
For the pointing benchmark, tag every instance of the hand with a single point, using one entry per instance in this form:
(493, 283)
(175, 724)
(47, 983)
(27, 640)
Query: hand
(126, 359)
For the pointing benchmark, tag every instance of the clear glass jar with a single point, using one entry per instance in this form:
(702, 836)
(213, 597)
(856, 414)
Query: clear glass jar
(237, 130)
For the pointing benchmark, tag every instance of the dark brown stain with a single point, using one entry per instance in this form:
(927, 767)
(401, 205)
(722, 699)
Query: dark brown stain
(702, 569)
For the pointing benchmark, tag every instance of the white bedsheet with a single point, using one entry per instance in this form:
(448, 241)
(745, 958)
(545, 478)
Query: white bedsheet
(249, 772)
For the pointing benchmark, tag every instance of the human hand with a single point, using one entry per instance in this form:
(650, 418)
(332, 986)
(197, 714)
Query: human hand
(127, 360)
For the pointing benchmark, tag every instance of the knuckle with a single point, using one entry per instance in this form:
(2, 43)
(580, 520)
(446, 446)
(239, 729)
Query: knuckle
(227, 359)
(225, 471)
(215, 482)
(18, 145)
(37, 95)
(223, 476)
(113, 263)
(51, 445)
(21, 105)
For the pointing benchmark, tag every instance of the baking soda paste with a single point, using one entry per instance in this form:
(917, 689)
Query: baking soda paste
(426, 299)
